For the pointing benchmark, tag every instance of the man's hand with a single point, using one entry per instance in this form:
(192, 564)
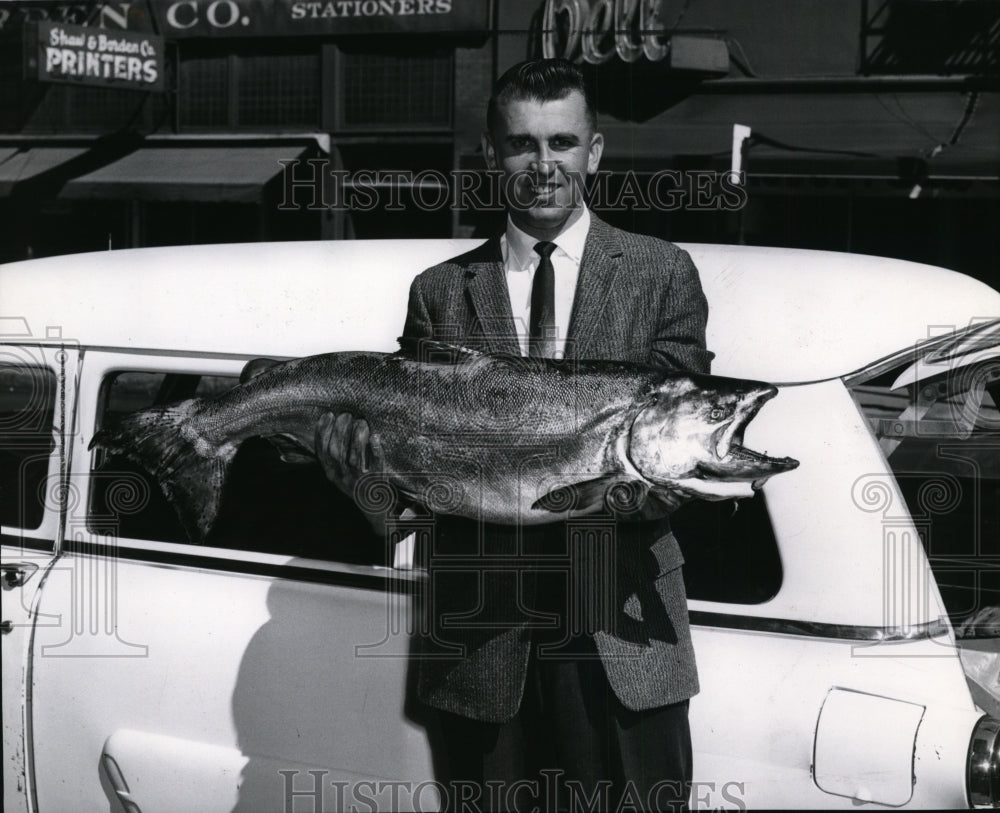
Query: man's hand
(663, 502)
(347, 450)
(655, 504)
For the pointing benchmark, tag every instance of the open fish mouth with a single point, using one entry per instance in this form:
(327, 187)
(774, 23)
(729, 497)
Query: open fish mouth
(729, 448)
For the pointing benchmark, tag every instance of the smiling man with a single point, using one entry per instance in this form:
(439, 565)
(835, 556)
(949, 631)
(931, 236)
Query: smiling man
(588, 708)
(545, 142)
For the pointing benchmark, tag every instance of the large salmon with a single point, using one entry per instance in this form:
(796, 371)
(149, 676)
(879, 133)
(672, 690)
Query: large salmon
(503, 439)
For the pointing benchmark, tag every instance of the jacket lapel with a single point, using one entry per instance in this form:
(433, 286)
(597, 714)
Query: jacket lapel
(595, 284)
(490, 300)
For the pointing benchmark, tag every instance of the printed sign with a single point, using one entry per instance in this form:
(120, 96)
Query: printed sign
(180, 19)
(98, 57)
(241, 18)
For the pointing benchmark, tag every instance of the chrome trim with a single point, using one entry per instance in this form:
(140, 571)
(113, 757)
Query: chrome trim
(367, 577)
(916, 351)
(983, 770)
(816, 629)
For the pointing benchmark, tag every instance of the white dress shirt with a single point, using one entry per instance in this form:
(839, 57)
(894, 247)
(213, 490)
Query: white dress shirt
(520, 262)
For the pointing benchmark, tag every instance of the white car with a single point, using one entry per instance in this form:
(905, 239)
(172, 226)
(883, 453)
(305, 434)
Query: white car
(845, 619)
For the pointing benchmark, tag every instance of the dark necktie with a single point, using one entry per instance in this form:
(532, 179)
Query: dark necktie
(542, 324)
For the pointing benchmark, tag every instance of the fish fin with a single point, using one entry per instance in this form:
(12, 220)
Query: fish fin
(616, 492)
(420, 348)
(255, 367)
(290, 450)
(189, 469)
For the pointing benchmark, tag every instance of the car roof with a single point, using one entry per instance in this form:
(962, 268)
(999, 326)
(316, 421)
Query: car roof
(775, 314)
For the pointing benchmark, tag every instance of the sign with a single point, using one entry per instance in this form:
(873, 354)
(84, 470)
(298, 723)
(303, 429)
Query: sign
(597, 30)
(77, 54)
(177, 19)
(242, 18)
(130, 16)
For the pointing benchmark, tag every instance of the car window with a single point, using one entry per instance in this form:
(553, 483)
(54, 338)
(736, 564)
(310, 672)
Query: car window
(291, 508)
(730, 551)
(27, 406)
(938, 424)
(267, 505)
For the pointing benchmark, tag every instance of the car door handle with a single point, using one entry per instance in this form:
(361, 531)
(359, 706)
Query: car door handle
(16, 574)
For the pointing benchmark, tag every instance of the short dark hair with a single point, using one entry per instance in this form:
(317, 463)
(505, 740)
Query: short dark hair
(541, 80)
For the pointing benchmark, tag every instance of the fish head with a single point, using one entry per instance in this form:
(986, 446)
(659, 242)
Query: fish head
(690, 434)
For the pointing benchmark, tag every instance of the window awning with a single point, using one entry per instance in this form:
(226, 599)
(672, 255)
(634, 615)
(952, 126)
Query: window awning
(860, 135)
(20, 164)
(235, 174)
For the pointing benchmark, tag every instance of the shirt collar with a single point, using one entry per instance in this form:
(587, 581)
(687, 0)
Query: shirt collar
(519, 246)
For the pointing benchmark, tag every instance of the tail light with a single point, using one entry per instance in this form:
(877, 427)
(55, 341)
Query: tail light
(983, 775)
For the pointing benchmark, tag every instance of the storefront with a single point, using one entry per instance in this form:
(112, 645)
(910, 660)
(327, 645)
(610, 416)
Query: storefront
(867, 127)
(859, 127)
(256, 108)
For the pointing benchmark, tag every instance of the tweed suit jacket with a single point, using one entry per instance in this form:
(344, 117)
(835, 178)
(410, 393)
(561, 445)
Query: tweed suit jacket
(637, 299)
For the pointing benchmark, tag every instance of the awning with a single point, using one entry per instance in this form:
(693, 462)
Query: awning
(186, 173)
(878, 135)
(19, 164)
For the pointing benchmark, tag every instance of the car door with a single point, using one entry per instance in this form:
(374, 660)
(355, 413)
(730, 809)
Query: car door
(37, 393)
(264, 670)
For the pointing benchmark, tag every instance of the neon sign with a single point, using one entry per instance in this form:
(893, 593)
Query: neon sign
(597, 30)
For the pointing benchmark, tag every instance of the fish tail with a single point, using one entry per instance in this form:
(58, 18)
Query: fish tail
(189, 468)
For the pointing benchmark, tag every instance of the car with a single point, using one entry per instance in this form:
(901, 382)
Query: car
(845, 619)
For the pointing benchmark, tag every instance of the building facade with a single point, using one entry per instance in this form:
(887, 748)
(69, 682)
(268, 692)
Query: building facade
(858, 126)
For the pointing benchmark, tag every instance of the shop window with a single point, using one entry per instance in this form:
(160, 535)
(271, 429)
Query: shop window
(266, 505)
(27, 406)
(380, 90)
(249, 90)
(204, 91)
(170, 223)
(93, 108)
(279, 89)
(79, 108)
(388, 203)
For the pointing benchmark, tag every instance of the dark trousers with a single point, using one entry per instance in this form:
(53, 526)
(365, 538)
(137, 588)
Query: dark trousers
(571, 747)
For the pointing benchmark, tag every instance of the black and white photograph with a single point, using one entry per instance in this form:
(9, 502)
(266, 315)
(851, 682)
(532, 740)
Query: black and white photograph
(522, 406)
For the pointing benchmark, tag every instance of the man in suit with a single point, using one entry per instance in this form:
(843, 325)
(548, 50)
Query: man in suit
(589, 703)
